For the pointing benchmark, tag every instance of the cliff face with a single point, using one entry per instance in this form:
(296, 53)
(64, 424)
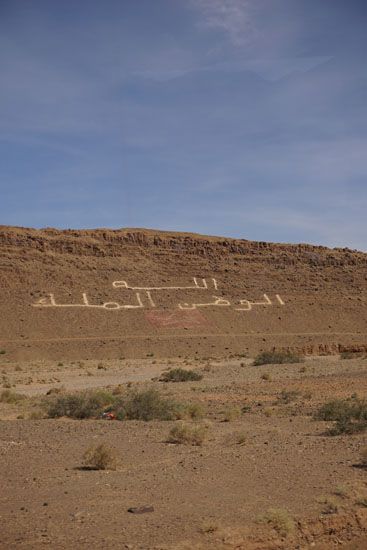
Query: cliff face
(133, 292)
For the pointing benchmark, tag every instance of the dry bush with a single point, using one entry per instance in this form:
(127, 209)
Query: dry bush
(277, 357)
(341, 491)
(329, 505)
(180, 375)
(349, 415)
(362, 501)
(148, 405)
(187, 434)
(11, 398)
(88, 404)
(279, 519)
(285, 397)
(99, 457)
(193, 411)
(351, 355)
(144, 405)
(231, 413)
(55, 390)
(241, 438)
(364, 457)
(209, 526)
(36, 414)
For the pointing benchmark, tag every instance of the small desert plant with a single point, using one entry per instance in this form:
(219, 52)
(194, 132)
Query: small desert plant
(341, 491)
(10, 397)
(36, 414)
(99, 457)
(364, 457)
(180, 375)
(192, 410)
(287, 397)
(87, 404)
(149, 405)
(329, 505)
(266, 376)
(277, 357)
(279, 519)
(187, 434)
(362, 501)
(241, 439)
(55, 390)
(349, 415)
(351, 355)
(2, 352)
(209, 526)
(231, 413)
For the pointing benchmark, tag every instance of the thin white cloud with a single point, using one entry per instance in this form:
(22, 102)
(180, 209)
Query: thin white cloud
(230, 16)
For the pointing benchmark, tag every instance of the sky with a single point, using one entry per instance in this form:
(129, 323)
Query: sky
(238, 118)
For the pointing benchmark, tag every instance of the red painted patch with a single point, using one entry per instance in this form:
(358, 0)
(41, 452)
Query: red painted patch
(176, 319)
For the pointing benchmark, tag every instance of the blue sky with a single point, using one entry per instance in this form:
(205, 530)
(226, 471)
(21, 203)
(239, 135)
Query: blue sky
(244, 118)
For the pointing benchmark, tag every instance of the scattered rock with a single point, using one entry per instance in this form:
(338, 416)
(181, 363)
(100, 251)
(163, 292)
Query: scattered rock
(141, 510)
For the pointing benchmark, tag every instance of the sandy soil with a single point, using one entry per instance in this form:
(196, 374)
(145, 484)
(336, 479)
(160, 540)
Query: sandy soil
(274, 455)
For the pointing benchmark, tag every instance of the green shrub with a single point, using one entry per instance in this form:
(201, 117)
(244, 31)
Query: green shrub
(148, 405)
(180, 375)
(349, 415)
(277, 357)
(2, 352)
(144, 405)
(81, 405)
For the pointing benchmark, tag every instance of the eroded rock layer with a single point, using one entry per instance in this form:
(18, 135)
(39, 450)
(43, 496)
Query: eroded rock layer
(136, 292)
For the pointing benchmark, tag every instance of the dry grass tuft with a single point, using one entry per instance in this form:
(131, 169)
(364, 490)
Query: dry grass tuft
(11, 398)
(279, 519)
(209, 526)
(231, 413)
(99, 457)
(277, 358)
(180, 375)
(329, 505)
(182, 433)
(364, 457)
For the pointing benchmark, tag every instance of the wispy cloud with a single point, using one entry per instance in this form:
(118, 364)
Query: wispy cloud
(230, 16)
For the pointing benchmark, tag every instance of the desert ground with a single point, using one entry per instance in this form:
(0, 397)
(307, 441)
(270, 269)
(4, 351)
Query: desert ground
(241, 456)
(264, 475)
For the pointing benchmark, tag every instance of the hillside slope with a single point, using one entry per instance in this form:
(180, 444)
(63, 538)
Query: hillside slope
(135, 292)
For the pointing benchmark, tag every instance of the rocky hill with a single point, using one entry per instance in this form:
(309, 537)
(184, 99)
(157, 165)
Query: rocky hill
(137, 293)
